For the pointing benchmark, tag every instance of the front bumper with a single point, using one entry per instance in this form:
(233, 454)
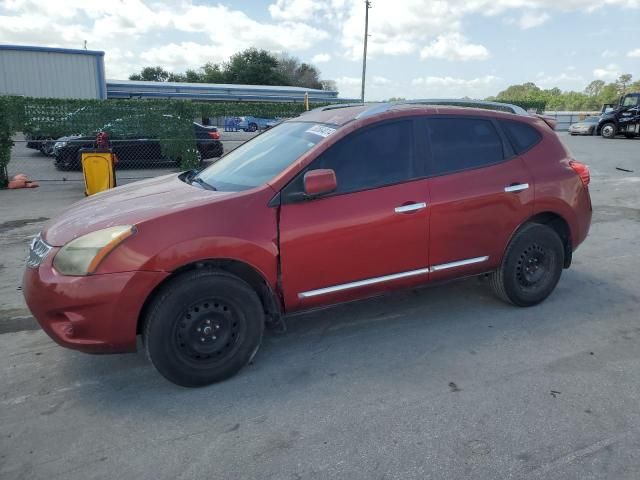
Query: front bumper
(93, 314)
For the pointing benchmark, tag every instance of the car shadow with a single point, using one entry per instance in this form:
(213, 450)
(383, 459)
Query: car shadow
(397, 334)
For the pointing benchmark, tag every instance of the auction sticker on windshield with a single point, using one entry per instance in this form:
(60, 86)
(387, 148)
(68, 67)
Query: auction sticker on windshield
(321, 130)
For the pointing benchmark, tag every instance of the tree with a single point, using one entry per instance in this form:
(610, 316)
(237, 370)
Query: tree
(623, 81)
(609, 94)
(298, 74)
(594, 88)
(251, 67)
(193, 76)
(254, 67)
(212, 73)
(330, 85)
(151, 74)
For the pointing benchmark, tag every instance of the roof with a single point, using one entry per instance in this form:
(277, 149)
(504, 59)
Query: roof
(70, 51)
(216, 91)
(216, 86)
(345, 113)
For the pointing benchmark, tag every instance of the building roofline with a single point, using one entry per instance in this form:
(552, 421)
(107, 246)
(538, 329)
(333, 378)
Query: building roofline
(32, 48)
(219, 86)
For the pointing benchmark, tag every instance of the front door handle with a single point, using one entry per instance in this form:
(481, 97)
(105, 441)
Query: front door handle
(412, 207)
(516, 187)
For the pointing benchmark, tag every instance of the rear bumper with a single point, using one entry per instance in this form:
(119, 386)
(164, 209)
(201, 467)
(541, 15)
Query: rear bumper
(93, 314)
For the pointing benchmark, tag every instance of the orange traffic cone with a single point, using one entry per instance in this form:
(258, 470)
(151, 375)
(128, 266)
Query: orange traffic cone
(21, 181)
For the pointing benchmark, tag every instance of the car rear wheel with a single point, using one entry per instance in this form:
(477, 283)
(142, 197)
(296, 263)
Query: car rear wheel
(253, 127)
(608, 130)
(531, 266)
(203, 327)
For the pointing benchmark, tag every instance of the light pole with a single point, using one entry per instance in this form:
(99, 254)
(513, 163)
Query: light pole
(366, 37)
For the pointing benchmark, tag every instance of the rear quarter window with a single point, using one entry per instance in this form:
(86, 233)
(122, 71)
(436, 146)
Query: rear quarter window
(523, 137)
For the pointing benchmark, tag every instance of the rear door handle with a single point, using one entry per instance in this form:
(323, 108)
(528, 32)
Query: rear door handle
(413, 207)
(516, 187)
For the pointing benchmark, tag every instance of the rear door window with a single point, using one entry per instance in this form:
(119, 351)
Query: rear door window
(462, 143)
(523, 137)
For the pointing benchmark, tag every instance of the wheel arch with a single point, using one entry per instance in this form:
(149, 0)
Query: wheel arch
(559, 224)
(270, 300)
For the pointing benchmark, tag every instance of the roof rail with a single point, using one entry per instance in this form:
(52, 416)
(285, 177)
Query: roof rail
(335, 107)
(503, 107)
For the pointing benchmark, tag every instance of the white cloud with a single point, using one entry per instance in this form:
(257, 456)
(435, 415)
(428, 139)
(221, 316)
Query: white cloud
(610, 72)
(609, 54)
(179, 57)
(378, 80)
(442, 87)
(531, 19)
(454, 46)
(176, 36)
(349, 87)
(572, 80)
(180, 34)
(302, 10)
(321, 58)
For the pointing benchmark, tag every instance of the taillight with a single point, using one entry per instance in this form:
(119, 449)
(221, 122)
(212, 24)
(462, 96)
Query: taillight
(214, 135)
(582, 170)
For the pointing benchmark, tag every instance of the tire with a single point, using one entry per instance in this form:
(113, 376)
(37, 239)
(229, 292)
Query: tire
(253, 127)
(229, 315)
(608, 130)
(47, 148)
(531, 267)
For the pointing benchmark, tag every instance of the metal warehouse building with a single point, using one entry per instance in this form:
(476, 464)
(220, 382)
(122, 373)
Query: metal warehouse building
(213, 92)
(67, 73)
(51, 72)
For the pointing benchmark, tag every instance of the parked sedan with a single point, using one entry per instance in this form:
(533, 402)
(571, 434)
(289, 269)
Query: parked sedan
(134, 150)
(253, 124)
(584, 127)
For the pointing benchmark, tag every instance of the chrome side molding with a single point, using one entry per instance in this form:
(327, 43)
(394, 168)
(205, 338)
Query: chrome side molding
(460, 263)
(516, 188)
(388, 278)
(362, 283)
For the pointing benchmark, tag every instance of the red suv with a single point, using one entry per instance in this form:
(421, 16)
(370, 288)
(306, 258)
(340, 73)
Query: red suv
(338, 204)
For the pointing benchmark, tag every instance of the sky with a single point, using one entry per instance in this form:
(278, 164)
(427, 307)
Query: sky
(417, 48)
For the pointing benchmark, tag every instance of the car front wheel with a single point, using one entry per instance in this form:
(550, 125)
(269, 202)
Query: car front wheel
(531, 266)
(608, 130)
(202, 327)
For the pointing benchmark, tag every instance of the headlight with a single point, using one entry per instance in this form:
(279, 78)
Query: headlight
(58, 145)
(83, 255)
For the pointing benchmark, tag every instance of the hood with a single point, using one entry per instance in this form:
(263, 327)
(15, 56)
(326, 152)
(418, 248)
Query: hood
(127, 205)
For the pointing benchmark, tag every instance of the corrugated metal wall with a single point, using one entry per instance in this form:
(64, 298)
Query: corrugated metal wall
(50, 74)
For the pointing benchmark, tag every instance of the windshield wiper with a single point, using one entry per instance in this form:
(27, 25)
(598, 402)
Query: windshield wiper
(203, 184)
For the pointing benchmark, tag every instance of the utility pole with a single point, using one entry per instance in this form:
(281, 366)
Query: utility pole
(366, 37)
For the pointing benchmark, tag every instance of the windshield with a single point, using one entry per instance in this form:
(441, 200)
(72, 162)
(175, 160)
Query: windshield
(261, 159)
(630, 101)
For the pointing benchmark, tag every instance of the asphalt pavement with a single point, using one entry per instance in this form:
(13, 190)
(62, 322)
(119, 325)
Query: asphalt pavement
(435, 383)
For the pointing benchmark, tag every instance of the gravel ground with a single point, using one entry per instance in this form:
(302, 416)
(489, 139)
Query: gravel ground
(441, 383)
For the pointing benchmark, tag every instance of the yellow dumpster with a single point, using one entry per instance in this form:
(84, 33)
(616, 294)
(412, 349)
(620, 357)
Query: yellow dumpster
(98, 169)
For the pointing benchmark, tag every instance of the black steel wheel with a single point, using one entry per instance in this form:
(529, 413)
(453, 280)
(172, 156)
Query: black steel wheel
(531, 267)
(203, 327)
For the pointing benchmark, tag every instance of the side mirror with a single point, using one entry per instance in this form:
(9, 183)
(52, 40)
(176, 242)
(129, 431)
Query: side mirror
(318, 182)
